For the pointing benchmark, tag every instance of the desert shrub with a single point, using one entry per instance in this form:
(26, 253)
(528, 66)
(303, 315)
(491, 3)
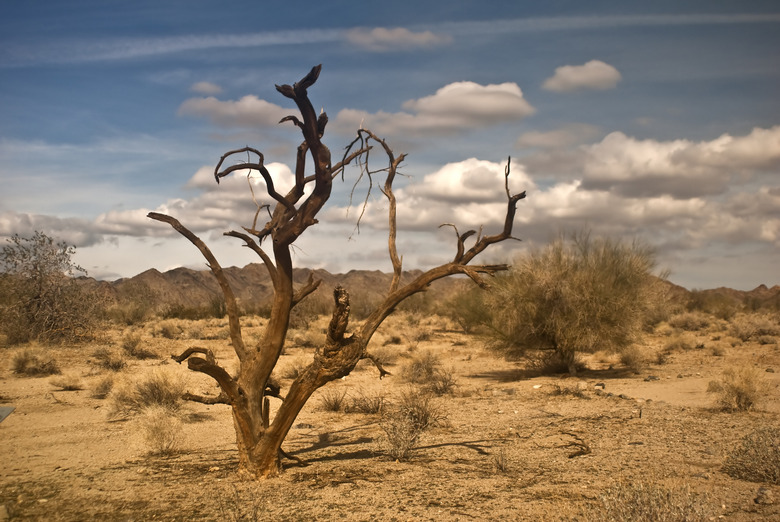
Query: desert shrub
(690, 321)
(34, 363)
(158, 388)
(294, 368)
(718, 305)
(40, 298)
(633, 358)
(425, 369)
(168, 330)
(102, 387)
(500, 461)
(649, 502)
(467, 309)
(333, 400)
(739, 389)
(132, 345)
(752, 326)
(160, 429)
(404, 423)
(757, 459)
(69, 382)
(718, 350)
(680, 343)
(109, 359)
(581, 295)
(368, 404)
(384, 355)
(766, 339)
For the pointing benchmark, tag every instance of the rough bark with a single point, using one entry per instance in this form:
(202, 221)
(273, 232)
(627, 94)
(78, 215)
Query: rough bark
(259, 438)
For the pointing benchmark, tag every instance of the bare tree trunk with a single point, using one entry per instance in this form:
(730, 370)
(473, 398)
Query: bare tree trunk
(259, 439)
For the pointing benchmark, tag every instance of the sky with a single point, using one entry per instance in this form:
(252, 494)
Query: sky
(652, 121)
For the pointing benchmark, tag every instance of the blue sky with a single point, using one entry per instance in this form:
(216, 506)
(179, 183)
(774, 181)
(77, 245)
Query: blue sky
(651, 120)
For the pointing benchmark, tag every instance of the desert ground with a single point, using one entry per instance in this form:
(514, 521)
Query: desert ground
(510, 444)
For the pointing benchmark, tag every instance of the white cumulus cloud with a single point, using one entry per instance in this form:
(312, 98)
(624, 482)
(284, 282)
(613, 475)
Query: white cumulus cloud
(594, 75)
(249, 111)
(206, 88)
(454, 108)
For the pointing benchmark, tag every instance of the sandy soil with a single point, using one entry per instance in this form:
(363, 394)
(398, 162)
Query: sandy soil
(505, 451)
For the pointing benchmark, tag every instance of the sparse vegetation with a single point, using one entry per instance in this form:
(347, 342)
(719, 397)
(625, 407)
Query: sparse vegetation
(690, 321)
(757, 459)
(425, 370)
(581, 295)
(405, 422)
(739, 389)
(133, 346)
(39, 297)
(333, 400)
(34, 363)
(109, 359)
(751, 326)
(633, 358)
(160, 429)
(650, 502)
(158, 388)
(366, 403)
(102, 387)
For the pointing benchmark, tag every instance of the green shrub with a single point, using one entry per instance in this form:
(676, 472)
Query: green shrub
(581, 295)
(739, 389)
(34, 363)
(757, 459)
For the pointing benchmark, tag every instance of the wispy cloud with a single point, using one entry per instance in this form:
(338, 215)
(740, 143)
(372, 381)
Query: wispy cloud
(375, 39)
(381, 39)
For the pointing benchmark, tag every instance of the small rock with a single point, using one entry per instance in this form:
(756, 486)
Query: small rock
(214, 468)
(537, 386)
(509, 391)
(702, 476)
(624, 396)
(652, 378)
(600, 385)
(303, 426)
(764, 496)
(679, 376)
(770, 370)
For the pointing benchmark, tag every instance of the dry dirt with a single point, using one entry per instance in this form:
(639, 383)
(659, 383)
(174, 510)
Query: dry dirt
(506, 451)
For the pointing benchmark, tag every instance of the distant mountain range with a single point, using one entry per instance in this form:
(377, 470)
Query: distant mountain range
(251, 284)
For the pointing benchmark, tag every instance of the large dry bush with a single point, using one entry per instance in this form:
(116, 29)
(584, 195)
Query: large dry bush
(157, 389)
(40, 299)
(757, 459)
(739, 389)
(34, 363)
(754, 326)
(578, 295)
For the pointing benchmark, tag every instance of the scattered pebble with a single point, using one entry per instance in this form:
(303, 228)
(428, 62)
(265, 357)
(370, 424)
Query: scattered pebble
(652, 378)
(770, 370)
(764, 496)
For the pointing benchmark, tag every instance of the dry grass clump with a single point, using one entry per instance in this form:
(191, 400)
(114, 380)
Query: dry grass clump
(160, 429)
(691, 321)
(294, 368)
(551, 363)
(648, 502)
(739, 389)
(34, 363)
(68, 382)
(168, 330)
(404, 423)
(633, 358)
(680, 343)
(132, 345)
(333, 400)
(102, 387)
(365, 403)
(109, 359)
(758, 457)
(159, 388)
(425, 369)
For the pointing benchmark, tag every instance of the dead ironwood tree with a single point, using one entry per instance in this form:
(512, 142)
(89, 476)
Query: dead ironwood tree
(259, 437)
